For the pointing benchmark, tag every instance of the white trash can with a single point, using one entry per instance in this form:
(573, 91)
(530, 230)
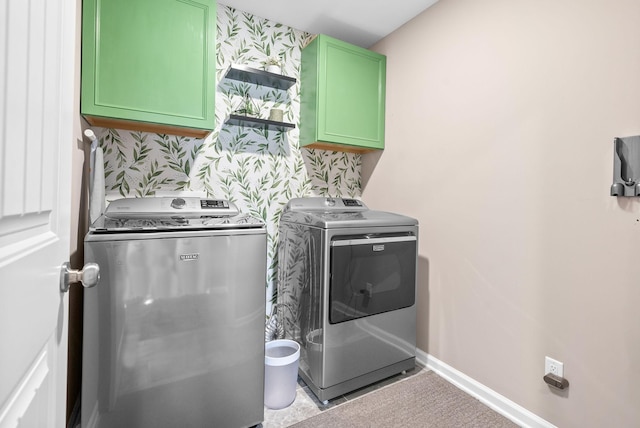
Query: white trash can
(280, 372)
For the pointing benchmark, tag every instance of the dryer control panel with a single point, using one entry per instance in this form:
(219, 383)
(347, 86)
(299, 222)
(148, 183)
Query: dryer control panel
(325, 204)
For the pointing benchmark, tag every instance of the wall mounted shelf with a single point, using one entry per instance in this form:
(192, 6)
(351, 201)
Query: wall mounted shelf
(239, 120)
(243, 73)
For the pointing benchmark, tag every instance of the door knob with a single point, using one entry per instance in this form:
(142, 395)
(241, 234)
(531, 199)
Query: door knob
(89, 276)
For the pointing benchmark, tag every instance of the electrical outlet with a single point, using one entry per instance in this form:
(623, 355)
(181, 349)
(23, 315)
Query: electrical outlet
(553, 366)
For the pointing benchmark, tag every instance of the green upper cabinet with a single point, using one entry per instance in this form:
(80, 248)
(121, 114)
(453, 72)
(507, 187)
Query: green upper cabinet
(149, 65)
(342, 96)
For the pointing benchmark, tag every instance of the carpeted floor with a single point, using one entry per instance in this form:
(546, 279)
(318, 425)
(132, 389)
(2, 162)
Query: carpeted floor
(419, 401)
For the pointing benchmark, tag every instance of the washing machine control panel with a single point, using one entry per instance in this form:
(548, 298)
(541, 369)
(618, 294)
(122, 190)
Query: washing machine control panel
(159, 207)
(213, 203)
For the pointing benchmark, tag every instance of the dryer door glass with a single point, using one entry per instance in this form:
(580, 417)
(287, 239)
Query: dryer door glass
(371, 275)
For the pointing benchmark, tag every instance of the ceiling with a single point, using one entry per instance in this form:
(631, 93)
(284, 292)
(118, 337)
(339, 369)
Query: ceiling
(360, 22)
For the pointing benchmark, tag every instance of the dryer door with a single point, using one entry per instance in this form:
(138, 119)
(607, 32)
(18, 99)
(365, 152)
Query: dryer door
(371, 274)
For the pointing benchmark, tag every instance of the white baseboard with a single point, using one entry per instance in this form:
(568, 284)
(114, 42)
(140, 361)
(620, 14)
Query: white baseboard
(490, 398)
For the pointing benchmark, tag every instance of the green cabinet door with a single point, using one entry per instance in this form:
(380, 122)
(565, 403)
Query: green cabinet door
(342, 96)
(149, 65)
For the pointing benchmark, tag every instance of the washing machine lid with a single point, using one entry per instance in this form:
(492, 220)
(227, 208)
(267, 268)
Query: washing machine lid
(329, 213)
(171, 213)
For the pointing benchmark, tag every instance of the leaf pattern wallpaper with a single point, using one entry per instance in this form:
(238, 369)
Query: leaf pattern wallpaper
(259, 170)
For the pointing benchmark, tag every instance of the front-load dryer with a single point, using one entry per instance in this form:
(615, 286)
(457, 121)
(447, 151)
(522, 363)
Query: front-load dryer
(347, 292)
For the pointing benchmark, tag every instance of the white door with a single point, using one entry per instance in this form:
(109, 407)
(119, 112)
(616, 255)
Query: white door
(37, 45)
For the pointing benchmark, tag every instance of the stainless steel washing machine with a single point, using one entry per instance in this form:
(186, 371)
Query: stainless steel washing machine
(347, 292)
(174, 331)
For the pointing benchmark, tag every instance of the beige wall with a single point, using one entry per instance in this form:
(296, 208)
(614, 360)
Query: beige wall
(500, 121)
